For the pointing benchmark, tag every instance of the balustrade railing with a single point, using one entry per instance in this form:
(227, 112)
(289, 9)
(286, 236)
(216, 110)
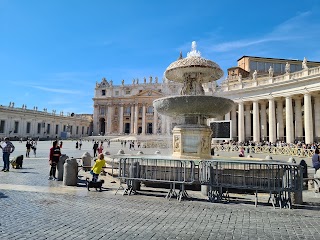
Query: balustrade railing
(288, 151)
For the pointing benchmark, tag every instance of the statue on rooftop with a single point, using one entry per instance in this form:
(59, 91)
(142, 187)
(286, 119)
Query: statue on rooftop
(270, 72)
(254, 75)
(304, 63)
(133, 81)
(150, 79)
(144, 80)
(122, 82)
(156, 80)
(287, 68)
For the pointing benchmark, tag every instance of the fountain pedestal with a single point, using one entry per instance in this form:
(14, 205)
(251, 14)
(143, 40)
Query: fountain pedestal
(191, 141)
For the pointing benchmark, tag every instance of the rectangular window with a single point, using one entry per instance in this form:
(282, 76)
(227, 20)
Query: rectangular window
(77, 130)
(261, 67)
(117, 93)
(48, 128)
(39, 128)
(2, 123)
(82, 131)
(57, 129)
(88, 130)
(102, 110)
(16, 127)
(70, 129)
(64, 128)
(253, 65)
(28, 127)
(128, 92)
(277, 68)
(103, 92)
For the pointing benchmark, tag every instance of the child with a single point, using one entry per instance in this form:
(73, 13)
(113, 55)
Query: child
(97, 167)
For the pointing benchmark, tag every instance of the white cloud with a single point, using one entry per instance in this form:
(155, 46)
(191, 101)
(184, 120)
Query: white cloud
(292, 29)
(58, 90)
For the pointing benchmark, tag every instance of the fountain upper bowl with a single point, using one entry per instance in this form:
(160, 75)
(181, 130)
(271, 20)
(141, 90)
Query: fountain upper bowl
(208, 70)
(186, 105)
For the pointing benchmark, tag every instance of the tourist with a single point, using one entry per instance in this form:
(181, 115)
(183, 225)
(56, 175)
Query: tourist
(77, 144)
(95, 148)
(241, 152)
(80, 144)
(100, 149)
(34, 148)
(54, 158)
(28, 146)
(7, 148)
(316, 160)
(97, 167)
(61, 144)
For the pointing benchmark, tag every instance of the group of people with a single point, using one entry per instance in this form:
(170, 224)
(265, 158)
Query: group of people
(31, 144)
(97, 148)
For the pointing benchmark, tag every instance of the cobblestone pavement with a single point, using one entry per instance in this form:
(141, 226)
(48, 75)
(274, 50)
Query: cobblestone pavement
(33, 207)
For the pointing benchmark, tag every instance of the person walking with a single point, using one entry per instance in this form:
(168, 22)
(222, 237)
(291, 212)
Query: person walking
(7, 148)
(80, 144)
(54, 158)
(28, 146)
(95, 147)
(316, 160)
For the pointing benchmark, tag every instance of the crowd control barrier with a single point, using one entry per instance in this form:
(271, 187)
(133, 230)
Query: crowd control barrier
(280, 180)
(133, 170)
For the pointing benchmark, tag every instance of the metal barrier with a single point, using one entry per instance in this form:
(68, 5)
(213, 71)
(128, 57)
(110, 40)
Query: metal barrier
(280, 180)
(134, 170)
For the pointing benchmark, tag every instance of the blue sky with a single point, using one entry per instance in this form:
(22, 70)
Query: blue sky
(53, 52)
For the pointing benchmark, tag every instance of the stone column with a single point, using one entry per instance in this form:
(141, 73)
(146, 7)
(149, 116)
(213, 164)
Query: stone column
(317, 116)
(308, 124)
(234, 122)
(121, 119)
(132, 119)
(289, 120)
(241, 136)
(248, 121)
(280, 127)
(263, 116)
(136, 114)
(298, 118)
(155, 122)
(143, 119)
(109, 119)
(272, 121)
(256, 122)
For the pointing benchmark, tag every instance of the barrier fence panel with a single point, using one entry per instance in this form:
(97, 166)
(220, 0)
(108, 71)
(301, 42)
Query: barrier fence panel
(280, 180)
(141, 169)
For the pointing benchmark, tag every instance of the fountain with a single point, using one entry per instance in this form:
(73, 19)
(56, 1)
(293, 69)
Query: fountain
(192, 138)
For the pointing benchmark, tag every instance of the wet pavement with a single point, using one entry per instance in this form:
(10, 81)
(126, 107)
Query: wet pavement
(33, 207)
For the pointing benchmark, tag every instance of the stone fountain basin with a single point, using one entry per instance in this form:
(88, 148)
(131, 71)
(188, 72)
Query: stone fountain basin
(186, 105)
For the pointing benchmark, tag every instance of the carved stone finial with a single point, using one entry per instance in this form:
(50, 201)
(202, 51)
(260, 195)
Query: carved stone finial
(287, 68)
(271, 72)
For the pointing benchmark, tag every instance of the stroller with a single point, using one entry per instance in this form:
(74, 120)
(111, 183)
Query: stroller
(16, 162)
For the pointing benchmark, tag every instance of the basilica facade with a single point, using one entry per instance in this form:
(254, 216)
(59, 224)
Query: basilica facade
(275, 100)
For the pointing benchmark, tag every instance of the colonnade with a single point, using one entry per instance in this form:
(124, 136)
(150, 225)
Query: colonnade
(285, 118)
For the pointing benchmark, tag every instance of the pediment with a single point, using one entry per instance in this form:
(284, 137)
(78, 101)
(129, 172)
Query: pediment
(149, 93)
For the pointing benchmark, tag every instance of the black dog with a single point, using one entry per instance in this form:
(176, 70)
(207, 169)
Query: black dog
(95, 185)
